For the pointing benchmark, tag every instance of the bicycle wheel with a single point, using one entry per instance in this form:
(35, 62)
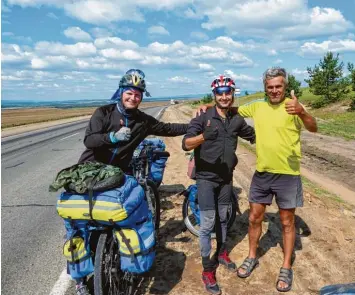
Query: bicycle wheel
(192, 223)
(153, 202)
(108, 277)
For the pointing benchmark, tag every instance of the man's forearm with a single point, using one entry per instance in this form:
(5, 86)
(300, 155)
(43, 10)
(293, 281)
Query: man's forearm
(309, 122)
(193, 142)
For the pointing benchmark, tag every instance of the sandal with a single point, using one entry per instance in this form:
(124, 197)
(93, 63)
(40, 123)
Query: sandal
(286, 276)
(248, 264)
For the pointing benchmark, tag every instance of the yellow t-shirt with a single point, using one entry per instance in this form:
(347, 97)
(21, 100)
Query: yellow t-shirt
(278, 143)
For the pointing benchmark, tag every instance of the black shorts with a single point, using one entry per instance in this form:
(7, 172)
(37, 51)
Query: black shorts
(207, 191)
(286, 188)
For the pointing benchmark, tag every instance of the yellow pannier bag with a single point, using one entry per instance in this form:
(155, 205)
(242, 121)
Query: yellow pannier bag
(74, 249)
(132, 238)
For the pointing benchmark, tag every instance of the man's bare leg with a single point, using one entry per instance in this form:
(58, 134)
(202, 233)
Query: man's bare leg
(287, 217)
(256, 216)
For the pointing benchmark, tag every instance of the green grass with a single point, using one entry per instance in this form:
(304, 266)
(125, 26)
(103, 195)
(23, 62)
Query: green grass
(336, 124)
(318, 191)
(248, 98)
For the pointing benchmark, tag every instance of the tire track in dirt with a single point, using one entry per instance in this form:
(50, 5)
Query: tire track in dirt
(324, 249)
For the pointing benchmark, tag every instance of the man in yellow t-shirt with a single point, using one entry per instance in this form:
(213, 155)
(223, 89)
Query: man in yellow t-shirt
(277, 121)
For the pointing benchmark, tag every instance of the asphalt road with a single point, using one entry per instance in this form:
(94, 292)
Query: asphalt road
(32, 233)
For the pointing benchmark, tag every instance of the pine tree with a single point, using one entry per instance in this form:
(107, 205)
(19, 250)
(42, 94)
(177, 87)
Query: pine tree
(295, 85)
(326, 79)
(352, 81)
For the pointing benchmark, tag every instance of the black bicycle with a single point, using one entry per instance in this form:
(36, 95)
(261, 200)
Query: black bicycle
(109, 279)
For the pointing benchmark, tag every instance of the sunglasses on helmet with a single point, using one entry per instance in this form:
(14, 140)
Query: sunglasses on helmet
(136, 72)
(226, 89)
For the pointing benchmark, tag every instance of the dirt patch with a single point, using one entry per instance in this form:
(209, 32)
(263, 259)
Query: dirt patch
(324, 252)
(330, 156)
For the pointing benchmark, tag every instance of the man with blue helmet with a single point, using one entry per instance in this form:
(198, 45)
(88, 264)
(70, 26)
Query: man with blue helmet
(115, 130)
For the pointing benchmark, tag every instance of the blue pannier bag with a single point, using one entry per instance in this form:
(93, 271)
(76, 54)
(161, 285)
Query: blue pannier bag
(77, 250)
(138, 256)
(156, 167)
(116, 206)
(191, 193)
(125, 208)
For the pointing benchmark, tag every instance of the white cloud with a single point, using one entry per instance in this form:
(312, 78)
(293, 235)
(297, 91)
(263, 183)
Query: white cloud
(199, 36)
(160, 48)
(103, 12)
(127, 54)
(7, 34)
(157, 30)
(114, 77)
(54, 48)
(51, 62)
(115, 42)
(13, 53)
(313, 48)
(206, 67)
(180, 79)
(38, 63)
(189, 13)
(225, 41)
(239, 77)
(52, 15)
(10, 78)
(77, 34)
(284, 18)
(297, 72)
(101, 32)
(278, 61)
(4, 8)
(272, 52)
(125, 30)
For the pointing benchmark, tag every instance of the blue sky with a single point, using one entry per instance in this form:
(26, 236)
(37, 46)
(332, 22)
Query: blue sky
(64, 49)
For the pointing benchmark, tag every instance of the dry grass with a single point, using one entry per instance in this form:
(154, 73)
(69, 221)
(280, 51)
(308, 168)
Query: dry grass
(18, 117)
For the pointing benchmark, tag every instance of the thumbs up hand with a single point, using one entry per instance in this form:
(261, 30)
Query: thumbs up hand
(293, 107)
(210, 132)
(123, 134)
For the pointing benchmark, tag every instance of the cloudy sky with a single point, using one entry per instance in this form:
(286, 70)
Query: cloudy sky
(76, 49)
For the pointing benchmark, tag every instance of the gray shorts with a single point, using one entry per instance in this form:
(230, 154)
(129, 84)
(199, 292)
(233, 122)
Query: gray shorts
(286, 188)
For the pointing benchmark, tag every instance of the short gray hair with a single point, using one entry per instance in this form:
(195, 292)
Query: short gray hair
(275, 72)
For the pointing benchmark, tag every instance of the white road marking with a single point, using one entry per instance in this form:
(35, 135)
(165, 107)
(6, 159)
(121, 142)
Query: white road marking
(62, 284)
(160, 112)
(68, 136)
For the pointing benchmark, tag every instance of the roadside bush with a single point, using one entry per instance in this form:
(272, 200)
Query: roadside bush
(207, 98)
(352, 104)
(317, 104)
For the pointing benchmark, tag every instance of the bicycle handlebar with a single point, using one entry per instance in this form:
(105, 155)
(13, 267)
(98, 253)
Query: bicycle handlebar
(161, 154)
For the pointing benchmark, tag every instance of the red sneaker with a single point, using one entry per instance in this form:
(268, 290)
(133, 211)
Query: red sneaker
(224, 259)
(209, 279)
